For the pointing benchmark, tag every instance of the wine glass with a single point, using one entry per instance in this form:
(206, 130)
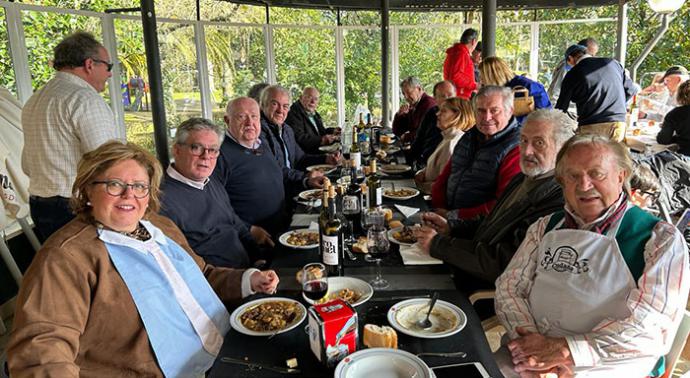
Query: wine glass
(378, 245)
(314, 281)
(351, 210)
(372, 217)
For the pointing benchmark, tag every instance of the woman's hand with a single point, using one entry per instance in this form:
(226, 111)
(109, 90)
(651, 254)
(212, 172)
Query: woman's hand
(264, 282)
(419, 177)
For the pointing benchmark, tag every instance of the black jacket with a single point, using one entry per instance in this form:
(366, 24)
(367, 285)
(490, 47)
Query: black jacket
(427, 139)
(306, 136)
(482, 248)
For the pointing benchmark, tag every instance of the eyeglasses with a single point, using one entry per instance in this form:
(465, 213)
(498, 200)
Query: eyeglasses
(109, 66)
(198, 149)
(117, 188)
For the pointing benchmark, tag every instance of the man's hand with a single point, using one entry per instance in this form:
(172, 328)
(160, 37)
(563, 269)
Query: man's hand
(404, 108)
(316, 179)
(442, 212)
(264, 282)
(337, 131)
(328, 139)
(424, 236)
(536, 352)
(261, 236)
(419, 177)
(437, 222)
(334, 158)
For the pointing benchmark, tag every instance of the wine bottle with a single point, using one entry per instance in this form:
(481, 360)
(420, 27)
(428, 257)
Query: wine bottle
(355, 153)
(360, 125)
(368, 125)
(332, 239)
(374, 184)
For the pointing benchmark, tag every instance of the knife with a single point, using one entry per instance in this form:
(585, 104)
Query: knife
(398, 298)
(254, 365)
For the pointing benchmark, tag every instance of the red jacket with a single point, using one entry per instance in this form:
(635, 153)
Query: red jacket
(459, 69)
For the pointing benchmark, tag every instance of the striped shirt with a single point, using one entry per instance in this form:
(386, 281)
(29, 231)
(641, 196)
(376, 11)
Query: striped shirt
(655, 303)
(62, 121)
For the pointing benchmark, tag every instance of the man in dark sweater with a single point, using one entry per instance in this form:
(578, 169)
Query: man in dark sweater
(307, 124)
(600, 89)
(199, 204)
(409, 116)
(249, 171)
(479, 249)
(428, 134)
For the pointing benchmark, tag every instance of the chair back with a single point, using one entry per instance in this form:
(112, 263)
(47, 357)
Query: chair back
(678, 344)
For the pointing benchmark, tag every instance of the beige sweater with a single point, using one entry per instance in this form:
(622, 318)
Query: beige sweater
(438, 159)
(76, 317)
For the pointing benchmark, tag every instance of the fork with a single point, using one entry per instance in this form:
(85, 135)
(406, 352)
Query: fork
(449, 354)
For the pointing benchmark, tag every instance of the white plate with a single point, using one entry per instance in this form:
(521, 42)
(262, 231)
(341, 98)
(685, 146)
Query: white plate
(330, 148)
(305, 195)
(239, 327)
(325, 168)
(335, 284)
(393, 239)
(345, 180)
(283, 239)
(416, 192)
(392, 149)
(403, 315)
(382, 362)
(393, 169)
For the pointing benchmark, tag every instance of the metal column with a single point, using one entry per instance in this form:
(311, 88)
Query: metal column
(153, 63)
(488, 28)
(622, 32)
(385, 20)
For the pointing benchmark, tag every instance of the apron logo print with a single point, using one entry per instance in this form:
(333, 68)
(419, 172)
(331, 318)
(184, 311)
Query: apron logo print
(564, 259)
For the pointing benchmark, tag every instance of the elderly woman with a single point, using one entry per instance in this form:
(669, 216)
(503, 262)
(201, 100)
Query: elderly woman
(118, 291)
(495, 71)
(455, 116)
(676, 126)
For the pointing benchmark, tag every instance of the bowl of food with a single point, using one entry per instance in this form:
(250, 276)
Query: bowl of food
(446, 318)
(267, 316)
(402, 235)
(323, 168)
(300, 239)
(311, 195)
(395, 169)
(402, 194)
(350, 289)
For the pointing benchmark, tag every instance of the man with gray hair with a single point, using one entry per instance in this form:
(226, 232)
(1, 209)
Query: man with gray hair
(479, 249)
(62, 121)
(199, 204)
(428, 134)
(599, 288)
(484, 161)
(307, 124)
(459, 67)
(409, 117)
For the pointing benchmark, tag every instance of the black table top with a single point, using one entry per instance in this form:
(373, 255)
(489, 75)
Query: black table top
(295, 343)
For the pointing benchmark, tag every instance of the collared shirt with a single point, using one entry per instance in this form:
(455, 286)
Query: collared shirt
(178, 176)
(254, 146)
(62, 121)
(582, 225)
(312, 119)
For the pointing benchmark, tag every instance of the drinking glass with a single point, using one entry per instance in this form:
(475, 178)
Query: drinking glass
(371, 217)
(378, 245)
(314, 281)
(351, 209)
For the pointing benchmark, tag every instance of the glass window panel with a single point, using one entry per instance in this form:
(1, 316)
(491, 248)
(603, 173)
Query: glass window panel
(427, 18)
(214, 10)
(306, 57)
(7, 79)
(96, 6)
(360, 18)
(362, 55)
(236, 61)
(513, 46)
(294, 16)
(43, 31)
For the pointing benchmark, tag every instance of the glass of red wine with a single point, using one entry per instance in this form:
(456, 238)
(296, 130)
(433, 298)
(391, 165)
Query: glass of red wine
(314, 281)
(378, 245)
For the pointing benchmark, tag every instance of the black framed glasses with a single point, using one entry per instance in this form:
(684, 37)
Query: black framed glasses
(198, 149)
(109, 66)
(117, 188)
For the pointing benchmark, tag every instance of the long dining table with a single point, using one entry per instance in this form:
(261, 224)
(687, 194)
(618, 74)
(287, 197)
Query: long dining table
(260, 354)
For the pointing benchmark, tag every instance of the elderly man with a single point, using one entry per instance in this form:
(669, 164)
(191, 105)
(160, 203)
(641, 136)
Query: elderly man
(250, 173)
(199, 204)
(428, 135)
(62, 121)
(600, 89)
(562, 68)
(484, 161)
(598, 288)
(480, 248)
(275, 102)
(409, 116)
(673, 78)
(307, 124)
(459, 67)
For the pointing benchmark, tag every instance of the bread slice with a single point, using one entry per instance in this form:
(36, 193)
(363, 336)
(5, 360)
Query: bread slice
(380, 336)
(361, 245)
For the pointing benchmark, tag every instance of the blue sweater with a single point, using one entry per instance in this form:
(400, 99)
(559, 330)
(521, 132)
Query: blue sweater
(208, 221)
(254, 183)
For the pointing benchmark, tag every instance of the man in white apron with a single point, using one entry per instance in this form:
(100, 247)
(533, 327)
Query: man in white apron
(597, 289)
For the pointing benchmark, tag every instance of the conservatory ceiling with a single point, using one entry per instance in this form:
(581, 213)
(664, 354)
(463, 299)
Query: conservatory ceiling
(426, 5)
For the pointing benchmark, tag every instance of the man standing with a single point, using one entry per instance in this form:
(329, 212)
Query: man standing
(249, 171)
(428, 134)
(199, 204)
(307, 124)
(599, 288)
(562, 68)
(62, 121)
(409, 116)
(600, 89)
(484, 161)
(458, 66)
(480, 248)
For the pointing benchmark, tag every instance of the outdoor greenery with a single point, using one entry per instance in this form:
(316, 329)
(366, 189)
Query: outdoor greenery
(304, 47)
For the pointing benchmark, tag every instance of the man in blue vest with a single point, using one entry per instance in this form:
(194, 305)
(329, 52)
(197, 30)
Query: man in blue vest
(598, 288)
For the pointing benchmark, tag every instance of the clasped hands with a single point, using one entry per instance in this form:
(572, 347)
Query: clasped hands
(264, 282)
(535, 355)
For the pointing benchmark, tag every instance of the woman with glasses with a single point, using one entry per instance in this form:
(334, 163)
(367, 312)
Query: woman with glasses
(455, 116)
(118, 291)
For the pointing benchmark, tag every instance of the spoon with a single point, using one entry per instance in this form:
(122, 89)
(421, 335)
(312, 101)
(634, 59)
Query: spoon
(426, 323)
